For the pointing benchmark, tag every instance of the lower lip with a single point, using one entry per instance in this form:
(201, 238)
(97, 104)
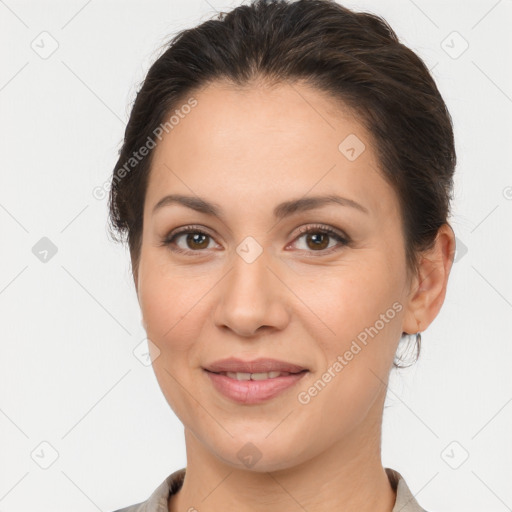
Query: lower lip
(253, 391)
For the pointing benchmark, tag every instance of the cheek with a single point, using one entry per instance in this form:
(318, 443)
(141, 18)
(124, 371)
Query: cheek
(349, 300)
(176, 310)
(363, 316)
(167, 305)
(360, 306)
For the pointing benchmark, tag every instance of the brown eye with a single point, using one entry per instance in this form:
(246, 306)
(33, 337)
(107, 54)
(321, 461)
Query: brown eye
(194, 240)
(317, 239)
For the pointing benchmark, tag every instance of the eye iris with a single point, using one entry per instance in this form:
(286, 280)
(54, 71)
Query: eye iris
(317, 245)
(193, 237)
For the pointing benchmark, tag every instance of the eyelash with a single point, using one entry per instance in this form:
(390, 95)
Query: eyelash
(317, 228)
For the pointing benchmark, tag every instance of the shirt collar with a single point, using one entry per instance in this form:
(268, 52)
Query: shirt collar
(157, 502)
(405, 501)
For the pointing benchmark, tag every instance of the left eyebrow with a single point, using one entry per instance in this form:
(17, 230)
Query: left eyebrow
(281, 211)
(310, 203)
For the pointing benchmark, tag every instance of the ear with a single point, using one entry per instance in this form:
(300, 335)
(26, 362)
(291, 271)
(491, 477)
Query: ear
(428, 288)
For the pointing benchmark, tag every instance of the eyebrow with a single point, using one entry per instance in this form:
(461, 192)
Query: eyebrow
(281, 211)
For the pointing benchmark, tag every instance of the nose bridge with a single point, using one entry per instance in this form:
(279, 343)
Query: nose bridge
(251, 295)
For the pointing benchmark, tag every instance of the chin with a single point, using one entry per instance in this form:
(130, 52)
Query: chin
(258, 454)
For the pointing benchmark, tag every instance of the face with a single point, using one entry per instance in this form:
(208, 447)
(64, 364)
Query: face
(263, 279)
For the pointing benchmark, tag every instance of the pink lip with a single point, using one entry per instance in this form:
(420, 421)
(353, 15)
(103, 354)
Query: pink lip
(253, 391)
(262, 365)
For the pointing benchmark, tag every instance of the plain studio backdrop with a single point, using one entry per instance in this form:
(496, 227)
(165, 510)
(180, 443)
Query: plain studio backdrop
(83, 423)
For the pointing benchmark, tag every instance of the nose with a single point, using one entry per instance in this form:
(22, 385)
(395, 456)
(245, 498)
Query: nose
(252, 298)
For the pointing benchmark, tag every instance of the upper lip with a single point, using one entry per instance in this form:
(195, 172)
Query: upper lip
(262, 365)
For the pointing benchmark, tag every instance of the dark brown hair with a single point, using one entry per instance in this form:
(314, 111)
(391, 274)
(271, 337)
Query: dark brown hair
(355, 57)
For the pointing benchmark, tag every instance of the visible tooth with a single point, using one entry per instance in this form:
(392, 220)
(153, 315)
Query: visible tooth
(260, 376)
(238, 375)
(253, 376)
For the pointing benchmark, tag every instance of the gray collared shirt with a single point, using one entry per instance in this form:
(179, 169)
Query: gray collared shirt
(157, 502)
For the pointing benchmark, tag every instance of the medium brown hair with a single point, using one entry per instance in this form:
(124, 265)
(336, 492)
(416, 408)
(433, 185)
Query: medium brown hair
(355, 57)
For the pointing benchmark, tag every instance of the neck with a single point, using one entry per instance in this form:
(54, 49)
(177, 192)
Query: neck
(347, 477)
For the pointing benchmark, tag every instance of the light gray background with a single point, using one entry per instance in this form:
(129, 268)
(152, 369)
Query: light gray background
(68, 376)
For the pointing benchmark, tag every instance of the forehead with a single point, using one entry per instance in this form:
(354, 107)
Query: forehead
(254, 140)
(295, 112)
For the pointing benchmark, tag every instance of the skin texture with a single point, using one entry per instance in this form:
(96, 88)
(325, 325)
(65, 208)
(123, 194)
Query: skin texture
(248, 150)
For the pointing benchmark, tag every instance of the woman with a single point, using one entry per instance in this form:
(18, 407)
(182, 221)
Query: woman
(284, 188)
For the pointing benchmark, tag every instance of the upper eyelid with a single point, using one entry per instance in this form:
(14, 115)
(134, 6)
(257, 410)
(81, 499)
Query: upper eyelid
(302, 229)
(330, 231)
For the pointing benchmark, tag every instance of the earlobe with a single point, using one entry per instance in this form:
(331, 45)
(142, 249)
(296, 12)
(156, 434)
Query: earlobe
(429, 287)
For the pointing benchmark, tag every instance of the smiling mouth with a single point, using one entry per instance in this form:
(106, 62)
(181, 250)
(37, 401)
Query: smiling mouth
(253, 388)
